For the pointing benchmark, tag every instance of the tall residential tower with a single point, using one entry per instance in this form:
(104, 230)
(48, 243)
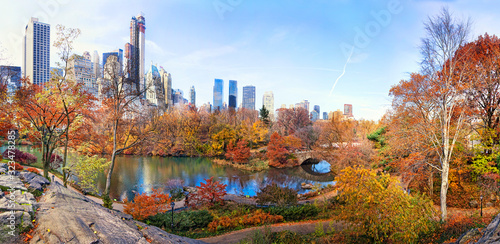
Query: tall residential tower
(249, 97)
(268, 102)
(36, 52)
(218, 94)
(135, 51)
(233, 94)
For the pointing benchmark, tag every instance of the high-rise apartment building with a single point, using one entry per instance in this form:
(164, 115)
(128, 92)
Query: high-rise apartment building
(81, 70)
(192, 96)
(166, 80)
(249, 97)
(135, 51)
(155, 93)
(268, 102)
(316, 108)
(306, 104)
(218, 94)
(348, 110)
(96, 66)
(233, 94)
(36, 52)
(314, 116)
(11, 76)
(325, 116)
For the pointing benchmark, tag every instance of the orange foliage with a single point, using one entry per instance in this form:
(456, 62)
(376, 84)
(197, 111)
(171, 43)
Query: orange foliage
(240, 153)
(144, 206)
(18, 167)
(258, 217)
(33, 170)
(208, 193)
(278, 151)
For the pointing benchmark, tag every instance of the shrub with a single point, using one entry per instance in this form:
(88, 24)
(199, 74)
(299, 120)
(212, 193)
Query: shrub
(33, 170)
(18, 167)
(144, 206)
(208, 193)
(239, 153)
(293, 213)
(454, 227)
(19, 156)
(275, 194)
(258, 217)
(183, 221)
(379, 209)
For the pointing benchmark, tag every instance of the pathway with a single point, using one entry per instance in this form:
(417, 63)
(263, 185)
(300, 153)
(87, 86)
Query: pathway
(300, 228)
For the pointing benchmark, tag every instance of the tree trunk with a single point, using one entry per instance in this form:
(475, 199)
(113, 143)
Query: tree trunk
(444, 188)
(112, 165)
(65, 157)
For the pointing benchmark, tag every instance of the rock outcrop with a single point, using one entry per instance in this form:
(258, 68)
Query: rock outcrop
(65, 216)
(492, 233)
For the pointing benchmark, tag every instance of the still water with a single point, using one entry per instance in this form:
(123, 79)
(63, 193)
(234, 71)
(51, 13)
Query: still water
(143, 173)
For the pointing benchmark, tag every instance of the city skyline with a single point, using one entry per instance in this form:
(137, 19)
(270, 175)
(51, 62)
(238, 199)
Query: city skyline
(297, 50)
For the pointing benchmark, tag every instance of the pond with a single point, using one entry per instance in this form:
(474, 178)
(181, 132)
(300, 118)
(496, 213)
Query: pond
(143, 173)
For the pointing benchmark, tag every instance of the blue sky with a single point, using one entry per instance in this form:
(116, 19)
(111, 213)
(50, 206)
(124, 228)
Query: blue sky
(295, 48)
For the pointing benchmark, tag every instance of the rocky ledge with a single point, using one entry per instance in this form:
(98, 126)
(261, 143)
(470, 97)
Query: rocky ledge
(65, 216)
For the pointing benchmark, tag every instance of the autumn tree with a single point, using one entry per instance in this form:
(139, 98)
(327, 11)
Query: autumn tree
(74, 100)
(131, 121)
(289, 121)
(280, 150)
(208, 193)
(40, 117)
(480, 66)
(438, 93)
(144, 205)
(239, 153)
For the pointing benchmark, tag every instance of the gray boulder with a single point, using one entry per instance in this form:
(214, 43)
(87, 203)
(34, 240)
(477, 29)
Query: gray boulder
(35, 181)
(4, 166)
(73, 218)
(491, 234)
(12, 182)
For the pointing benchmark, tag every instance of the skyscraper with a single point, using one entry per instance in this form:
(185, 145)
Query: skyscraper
(218, 94)
(36, 52)
(192, 95)
(325, 116)
(135, 50)
(306, 104)
(166, 80)
(268, 102)
(233, 94)
(249, 97)
(348, 110)
(155, 93)
(96, 67)
(316, 108)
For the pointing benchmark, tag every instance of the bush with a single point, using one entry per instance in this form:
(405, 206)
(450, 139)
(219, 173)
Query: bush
(379, 209)
(275, 194)
(294, 213)
(144, 206)
(208, 193)
(33, 170)
(239, 153)
(19, 156)
(174, 187)
(183, 221)
(18, 167)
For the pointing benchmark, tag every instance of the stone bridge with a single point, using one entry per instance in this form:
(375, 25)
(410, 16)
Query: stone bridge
(306, 157)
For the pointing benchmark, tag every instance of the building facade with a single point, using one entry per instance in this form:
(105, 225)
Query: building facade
(155, 93)
(348, 110)
(325, 116)
(249, 97)
(118, 53)
(166, 80)
(135, 51)
(11, 76)
(316, 108)
(268, 102)
(192, 95)
(36, 52)
(218, 94)
(233, 94)
(82, 71)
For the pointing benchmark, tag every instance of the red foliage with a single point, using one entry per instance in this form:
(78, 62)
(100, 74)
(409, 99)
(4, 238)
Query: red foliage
(19, 156)
(18, 167)
(277, 152)
(33, 170)
(208, 193)
(144, 206)
(55, 161)
(240, 153)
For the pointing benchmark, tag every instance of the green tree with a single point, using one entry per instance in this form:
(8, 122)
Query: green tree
(264, 115)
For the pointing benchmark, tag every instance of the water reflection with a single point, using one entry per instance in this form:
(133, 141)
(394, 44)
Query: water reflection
(142, 174)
